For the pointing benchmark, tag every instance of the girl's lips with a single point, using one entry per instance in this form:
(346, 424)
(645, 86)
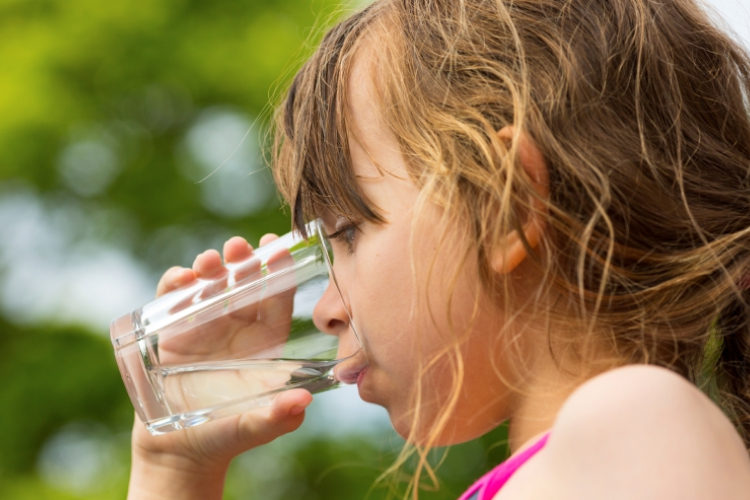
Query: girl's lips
(349, 377)
(349, 371)
(361, 377)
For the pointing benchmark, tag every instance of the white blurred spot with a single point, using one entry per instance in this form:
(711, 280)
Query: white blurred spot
(80, 459)
(51, 272)
(225, 158)
(88, 167)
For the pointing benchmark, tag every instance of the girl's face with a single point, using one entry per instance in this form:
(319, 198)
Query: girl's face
(392, 311)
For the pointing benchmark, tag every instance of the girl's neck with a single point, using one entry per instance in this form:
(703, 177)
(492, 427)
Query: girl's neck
(535, 411)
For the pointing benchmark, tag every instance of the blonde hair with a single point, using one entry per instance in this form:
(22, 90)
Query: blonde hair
(640, 109)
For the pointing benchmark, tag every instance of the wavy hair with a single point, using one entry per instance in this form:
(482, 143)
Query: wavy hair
(641, 111)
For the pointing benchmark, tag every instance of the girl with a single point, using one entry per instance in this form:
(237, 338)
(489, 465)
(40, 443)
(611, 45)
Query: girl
(541, 212)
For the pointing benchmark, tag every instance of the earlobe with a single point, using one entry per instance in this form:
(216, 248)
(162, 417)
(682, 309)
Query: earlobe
(512, 251)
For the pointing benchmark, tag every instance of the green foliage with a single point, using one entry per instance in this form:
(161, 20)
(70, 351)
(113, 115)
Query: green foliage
(52, 376)
(137, 74)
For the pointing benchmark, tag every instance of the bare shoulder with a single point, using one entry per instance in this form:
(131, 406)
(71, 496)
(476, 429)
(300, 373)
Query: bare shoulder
(644, 432)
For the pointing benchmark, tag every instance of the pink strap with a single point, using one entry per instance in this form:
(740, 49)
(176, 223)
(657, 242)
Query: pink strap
(488, 485)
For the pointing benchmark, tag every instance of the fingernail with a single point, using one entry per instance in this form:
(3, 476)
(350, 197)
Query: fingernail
(296, 410)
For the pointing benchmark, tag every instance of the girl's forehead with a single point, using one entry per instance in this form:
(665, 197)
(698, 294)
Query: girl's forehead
(375, 151)
(366, 123)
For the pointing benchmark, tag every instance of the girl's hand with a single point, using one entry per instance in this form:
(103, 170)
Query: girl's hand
(192, 463)
(255, 330)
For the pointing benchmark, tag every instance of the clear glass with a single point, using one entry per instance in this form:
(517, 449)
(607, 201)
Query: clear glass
(220, 347)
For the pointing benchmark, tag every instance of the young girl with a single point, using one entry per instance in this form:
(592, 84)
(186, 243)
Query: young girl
(541, 213)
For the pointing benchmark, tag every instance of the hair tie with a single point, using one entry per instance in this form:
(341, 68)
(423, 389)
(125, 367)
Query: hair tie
(744, 282)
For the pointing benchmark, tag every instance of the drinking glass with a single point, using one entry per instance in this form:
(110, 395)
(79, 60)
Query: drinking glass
(221, 346)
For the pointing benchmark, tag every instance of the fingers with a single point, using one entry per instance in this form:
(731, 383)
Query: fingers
(286, 414)
(276, 308)
(238, 255)
(268, 238)
(174, 278)
(208, 266)
(289, 404)
(237, 249)
(280, 260)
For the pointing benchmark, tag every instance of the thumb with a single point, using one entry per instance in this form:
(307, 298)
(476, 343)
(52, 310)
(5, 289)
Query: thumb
(286, 414)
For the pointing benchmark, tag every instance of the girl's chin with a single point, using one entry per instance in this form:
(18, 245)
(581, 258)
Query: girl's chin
(455, 432)
(364, 387)
(402, 418)
(422, 437)
(403, 423)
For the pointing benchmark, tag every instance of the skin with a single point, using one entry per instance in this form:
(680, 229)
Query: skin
(636, 432)
(612, 434)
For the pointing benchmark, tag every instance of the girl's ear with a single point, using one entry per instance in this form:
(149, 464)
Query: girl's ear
(512, 250)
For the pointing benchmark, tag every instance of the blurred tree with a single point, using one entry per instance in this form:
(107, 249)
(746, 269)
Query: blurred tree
(112, 90)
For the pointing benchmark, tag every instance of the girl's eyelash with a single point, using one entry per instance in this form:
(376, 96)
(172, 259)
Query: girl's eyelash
(345, 235)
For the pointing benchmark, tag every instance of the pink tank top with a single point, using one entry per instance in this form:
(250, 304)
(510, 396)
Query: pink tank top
(488, 485)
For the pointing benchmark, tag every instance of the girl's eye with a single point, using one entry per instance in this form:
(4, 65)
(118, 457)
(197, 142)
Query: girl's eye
(346, 235)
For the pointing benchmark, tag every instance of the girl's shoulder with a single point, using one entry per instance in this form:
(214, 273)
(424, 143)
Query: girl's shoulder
(643, 432)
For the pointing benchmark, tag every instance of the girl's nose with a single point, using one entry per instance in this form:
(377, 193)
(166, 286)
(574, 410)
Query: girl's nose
(329, 315)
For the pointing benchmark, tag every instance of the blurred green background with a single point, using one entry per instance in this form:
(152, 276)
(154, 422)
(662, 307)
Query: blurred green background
(114, 120)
